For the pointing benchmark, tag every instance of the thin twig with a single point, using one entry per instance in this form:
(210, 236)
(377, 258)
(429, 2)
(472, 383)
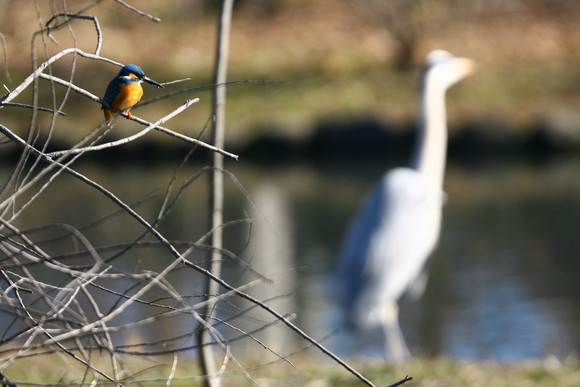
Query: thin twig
(402, 381)
(172, 373)
(126, 140)
(175, 81)
(23, 105)
(139, 12)
(72, 86)
(212, 86)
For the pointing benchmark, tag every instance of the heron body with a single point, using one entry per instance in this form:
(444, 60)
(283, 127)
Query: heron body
(125, 90)
(396, 229)
(402, 208)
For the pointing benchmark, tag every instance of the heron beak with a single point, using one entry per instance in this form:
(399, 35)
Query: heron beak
(154, 83)
(469, 66)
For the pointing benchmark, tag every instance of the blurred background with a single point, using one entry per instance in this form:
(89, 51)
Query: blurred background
(504, 279)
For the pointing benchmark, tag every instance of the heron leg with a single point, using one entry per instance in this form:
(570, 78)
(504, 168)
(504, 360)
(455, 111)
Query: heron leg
(394, 341)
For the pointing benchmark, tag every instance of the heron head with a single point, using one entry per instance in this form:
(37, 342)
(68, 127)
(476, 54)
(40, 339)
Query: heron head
(447, 69)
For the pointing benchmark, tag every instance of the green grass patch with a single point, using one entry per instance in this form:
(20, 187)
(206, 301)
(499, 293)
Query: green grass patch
(306, 371)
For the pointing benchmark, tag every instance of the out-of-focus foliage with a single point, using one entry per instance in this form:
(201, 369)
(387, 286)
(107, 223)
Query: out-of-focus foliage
(339, 60)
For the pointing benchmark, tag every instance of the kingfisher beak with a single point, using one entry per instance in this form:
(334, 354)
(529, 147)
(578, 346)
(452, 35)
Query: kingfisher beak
(154, 83)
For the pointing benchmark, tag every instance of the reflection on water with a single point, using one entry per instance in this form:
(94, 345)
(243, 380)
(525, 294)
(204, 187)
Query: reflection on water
(503, 281)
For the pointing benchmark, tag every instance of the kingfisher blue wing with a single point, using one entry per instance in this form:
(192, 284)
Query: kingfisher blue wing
(112, 91)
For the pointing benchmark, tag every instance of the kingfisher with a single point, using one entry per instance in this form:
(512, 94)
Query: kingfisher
(125, 90)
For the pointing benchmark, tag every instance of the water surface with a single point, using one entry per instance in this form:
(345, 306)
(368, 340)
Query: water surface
(503, 281)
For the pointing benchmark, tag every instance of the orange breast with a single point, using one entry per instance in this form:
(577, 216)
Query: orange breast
(128, 96)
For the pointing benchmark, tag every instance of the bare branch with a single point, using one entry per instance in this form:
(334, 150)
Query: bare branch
(127, 140)
(68, 16)
(22, 105)
(36, 73)
(146, 15)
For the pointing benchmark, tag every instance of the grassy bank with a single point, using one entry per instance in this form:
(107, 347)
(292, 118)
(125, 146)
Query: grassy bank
(318, 372)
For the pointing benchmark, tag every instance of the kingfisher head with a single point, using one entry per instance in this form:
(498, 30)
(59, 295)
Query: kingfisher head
(135, 72)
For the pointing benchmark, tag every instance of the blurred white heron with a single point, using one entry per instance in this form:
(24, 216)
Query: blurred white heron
(396, 229)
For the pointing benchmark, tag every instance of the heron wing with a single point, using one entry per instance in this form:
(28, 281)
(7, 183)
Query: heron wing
(355, 248)
(389, 241)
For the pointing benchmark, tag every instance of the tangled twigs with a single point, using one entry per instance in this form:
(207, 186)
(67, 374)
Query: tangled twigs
(69, 15)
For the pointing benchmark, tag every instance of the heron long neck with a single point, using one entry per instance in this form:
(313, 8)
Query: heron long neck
(431, 145)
